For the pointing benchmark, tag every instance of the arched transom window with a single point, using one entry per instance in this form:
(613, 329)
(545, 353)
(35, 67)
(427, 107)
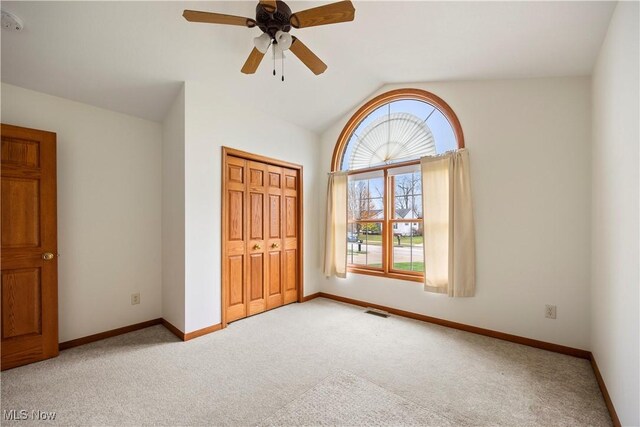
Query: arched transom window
(381, 147)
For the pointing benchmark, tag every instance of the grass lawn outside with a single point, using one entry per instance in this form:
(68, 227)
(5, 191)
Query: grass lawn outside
(376, 239)
(404, 266)
(407, 266)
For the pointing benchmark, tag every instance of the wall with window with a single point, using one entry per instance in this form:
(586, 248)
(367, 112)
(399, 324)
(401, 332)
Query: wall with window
(529, 144)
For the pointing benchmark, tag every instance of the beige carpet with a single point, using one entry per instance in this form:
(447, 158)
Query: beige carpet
(318, 363)
(345, 399)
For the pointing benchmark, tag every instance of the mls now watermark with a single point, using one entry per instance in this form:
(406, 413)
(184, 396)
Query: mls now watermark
(24, 415)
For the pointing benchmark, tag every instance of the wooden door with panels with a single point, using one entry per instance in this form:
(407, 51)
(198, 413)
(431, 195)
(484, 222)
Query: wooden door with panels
(234, 236)
(290, 251)
(274, 242)
(261, 229)
(29, 293)
(257, 225)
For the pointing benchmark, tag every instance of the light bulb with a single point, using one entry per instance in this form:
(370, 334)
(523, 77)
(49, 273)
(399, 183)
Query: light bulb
(284, 40)
(262, 43)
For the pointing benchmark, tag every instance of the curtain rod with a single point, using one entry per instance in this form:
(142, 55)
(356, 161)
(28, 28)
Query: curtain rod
(396, 165)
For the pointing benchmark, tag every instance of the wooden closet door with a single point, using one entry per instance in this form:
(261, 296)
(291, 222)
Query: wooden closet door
(261, 259)
(29, 246)
(235, 239)
(290, 232)
(275, 262)
(256, 244)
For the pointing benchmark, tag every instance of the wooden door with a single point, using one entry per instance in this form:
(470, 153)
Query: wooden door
(29, 246)
(234, 234)
(261, 235)
(274, 238)
(290, 236)
(256, 247)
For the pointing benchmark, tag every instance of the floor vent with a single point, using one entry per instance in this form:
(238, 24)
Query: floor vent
(377, 312)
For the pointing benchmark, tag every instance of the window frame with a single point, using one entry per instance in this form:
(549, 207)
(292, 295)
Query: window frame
(389, 185)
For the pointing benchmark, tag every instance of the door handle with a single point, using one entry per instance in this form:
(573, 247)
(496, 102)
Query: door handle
(47, 256)
(275, 245)
(256, 247)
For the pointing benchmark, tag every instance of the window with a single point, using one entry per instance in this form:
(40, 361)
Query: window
(381, 148)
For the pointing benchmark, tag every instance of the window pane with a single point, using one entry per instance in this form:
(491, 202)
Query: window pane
(407, 196)
(394, 132)
(397, 131)
(442, 131)
(417, 204)
(408, 247)
(365, 198)
(364, 244)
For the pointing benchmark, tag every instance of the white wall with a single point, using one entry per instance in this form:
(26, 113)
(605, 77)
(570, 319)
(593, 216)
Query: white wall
(108, 209)
(529, 142)
(173, 214)
(615, 279)
(210, 124)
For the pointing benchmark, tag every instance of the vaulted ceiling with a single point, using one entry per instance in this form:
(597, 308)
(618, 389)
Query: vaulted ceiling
(132, 56)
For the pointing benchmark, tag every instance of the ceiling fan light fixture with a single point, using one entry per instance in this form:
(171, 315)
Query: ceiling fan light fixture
(284, 40)
(274, 19)
(262, 43)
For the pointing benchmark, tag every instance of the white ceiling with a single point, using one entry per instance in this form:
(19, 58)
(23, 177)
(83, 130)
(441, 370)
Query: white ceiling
(131, 56)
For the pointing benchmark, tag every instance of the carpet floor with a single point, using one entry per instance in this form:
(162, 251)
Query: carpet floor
(317, 363)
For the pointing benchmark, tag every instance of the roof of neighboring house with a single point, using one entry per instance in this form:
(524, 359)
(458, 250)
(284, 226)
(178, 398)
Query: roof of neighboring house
(407, 212)
(400, 213)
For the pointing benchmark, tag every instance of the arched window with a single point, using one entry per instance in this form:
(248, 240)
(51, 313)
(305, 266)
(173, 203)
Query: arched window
(381, 147)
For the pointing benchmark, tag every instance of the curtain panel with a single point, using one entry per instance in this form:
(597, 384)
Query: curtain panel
(449, 234)
(335, 241)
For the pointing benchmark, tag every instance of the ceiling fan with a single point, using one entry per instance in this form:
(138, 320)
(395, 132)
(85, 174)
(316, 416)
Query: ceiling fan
(275, 20)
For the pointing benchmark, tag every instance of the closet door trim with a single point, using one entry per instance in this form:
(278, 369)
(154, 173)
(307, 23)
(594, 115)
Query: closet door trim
(232, 152)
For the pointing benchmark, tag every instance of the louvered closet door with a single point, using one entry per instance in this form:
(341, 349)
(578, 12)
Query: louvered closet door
(275, 262)
(235, 239)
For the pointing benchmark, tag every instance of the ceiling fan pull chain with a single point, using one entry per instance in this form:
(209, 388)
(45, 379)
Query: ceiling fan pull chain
(282, 66)
(274, 60)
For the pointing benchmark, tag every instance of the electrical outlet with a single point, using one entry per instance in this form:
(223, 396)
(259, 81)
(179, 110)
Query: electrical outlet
(135, 298)
(550, 311)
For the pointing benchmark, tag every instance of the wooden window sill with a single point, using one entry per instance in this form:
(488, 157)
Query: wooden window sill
(390, 275)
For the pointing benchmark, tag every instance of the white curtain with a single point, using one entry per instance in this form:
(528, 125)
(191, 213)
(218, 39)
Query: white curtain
(335, 241)
(449, 235)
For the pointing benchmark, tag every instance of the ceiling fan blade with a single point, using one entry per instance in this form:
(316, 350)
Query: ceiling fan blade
(217, 18)
(269, 5)
(342, 11)
(307, 57)
(253, 61)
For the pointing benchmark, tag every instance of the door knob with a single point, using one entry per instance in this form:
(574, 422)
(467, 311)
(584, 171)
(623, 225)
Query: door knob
(47, 256)
(256, 246)
(274, 245)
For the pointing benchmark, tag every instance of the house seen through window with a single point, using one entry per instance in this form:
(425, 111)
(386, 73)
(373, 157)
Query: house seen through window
(380, 148)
